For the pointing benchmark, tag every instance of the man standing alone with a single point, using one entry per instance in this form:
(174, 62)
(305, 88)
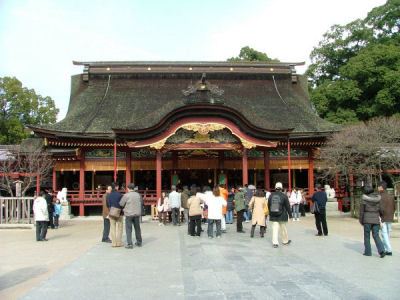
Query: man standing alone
(132, 204)
(319, 198)
(388, 205)
(175, 201)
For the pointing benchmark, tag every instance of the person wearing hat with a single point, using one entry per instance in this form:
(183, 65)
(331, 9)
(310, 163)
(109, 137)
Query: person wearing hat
(279, 214)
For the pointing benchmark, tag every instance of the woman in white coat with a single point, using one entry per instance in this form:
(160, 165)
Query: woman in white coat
(41, 217)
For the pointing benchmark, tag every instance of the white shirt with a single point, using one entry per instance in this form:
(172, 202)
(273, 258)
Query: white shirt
(40, 209)
(214, 204)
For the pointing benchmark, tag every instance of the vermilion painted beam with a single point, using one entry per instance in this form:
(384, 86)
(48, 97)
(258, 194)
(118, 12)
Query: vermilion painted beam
(245, 173)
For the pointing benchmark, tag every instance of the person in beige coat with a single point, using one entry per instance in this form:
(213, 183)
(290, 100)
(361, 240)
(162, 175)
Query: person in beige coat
(195, 212)
(257, 205)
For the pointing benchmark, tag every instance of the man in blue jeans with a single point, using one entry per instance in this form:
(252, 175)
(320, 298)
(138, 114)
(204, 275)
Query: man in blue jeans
(132, 204)
(388, 205)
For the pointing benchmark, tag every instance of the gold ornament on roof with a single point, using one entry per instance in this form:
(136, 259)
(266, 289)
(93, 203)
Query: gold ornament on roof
(158, 145)
(247, 144)
(203, 128)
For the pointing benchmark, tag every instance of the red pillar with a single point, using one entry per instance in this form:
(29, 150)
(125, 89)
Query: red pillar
(82, 186)
(158, 174)
(245, 175)
(128, 171)
(289, 166)
(54, 179)
(310, 173)
(267, 179)
(115, 160)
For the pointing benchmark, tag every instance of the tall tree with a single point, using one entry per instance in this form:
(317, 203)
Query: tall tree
(20, 106)
(250, 54)
(355, 69)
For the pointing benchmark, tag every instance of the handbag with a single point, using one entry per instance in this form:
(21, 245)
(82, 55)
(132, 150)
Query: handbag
(266, 211)
(314, 209)
(114, 212)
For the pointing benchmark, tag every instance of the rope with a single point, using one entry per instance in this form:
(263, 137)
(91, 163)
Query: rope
(276, 88)
(98, 106)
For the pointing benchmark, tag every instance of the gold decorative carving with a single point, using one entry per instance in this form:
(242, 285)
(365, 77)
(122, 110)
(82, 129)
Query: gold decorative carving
(158, 145)
(203, 128)
(247, 144)
(201, 138)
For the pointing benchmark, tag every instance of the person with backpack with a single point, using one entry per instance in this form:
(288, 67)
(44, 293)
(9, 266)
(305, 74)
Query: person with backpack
(279, 214)
(240, 207)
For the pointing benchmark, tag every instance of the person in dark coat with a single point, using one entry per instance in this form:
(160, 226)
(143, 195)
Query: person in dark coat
(388, 206)
(279, 212)
(320, 198)
(369, 217)
(50, 207)
(106, 218)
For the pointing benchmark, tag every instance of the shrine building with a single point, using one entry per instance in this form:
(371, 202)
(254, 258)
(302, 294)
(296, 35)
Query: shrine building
(204, 123)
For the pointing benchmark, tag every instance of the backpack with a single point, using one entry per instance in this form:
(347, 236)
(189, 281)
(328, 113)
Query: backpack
(276, 207)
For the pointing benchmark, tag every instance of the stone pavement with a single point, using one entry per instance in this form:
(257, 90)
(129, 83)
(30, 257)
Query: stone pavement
(173, 265)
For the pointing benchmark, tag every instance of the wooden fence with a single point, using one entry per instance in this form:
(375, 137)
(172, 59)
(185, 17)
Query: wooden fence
(16, 210)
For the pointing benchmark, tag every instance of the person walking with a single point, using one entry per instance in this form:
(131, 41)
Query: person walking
(175, 201)
(195, 212)
(230, 206)
(319, 199)
(106, 218)
(369, 217)
(248, 194)
(240, 208)
(41, 215)
(388, 206)
(132, 204)
(257, 205)
(279, 212)
(116, 223)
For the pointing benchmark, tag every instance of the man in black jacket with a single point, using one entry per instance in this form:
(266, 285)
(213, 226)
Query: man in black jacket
(279, 211)
(50, 208)
(320, 198)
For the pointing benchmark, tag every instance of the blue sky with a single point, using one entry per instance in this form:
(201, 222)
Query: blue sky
(40, 38)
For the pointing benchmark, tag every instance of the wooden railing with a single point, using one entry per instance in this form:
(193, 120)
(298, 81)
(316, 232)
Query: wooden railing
(94, 198)
(16, 210)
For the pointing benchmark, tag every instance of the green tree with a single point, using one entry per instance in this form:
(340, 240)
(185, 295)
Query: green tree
(250, 54)
(20, 106)
(355, 69)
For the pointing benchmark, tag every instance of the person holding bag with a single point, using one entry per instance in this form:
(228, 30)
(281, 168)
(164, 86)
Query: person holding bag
(116, 219)
(259, 206)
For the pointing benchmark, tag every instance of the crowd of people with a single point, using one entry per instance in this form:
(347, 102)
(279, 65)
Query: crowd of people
(218, 206)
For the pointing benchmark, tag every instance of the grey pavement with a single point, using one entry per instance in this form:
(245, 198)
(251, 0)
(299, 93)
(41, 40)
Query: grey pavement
(173, 265)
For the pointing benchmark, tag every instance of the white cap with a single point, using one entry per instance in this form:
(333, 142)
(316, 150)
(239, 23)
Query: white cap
(278, 185)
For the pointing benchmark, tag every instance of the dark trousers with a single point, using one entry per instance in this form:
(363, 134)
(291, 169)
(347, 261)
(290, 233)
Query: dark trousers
(56, 218)
(302, 210)
(375, 234)
(210, 229)
(106, 229)
(50, 223)
(195, 223)
(239, 220)
(176, 217)
(135, 221)
(41, 230)
(320, 219)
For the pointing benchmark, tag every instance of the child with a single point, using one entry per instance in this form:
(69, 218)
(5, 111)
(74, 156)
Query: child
(57, 212)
